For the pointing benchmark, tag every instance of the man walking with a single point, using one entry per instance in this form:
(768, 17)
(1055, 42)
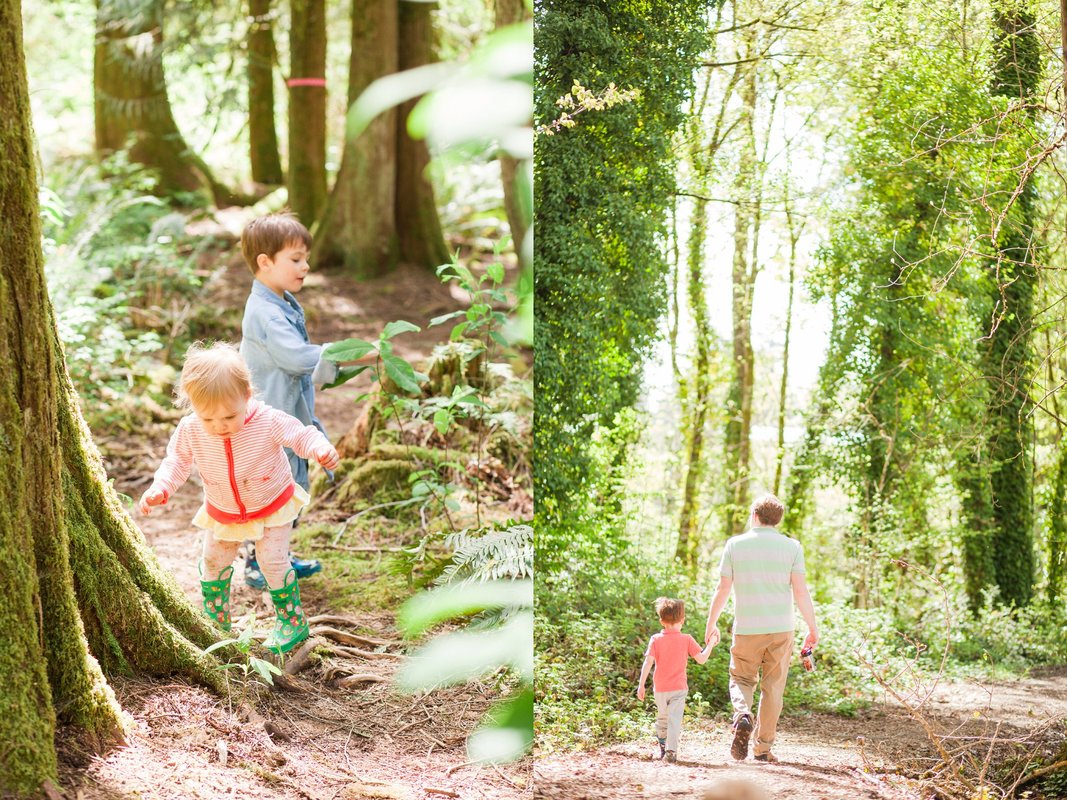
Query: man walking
(766, 571)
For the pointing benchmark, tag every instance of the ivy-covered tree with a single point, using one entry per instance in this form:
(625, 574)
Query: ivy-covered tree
(601, 195)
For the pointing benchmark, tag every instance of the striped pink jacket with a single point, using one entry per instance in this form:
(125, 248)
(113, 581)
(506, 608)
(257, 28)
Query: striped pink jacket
(247, 475)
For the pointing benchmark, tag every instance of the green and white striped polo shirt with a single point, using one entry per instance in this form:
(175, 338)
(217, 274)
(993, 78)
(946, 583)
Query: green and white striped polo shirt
(760, 563)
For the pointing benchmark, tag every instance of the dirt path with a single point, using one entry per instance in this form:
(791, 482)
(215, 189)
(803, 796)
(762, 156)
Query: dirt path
(364, 740)
(823, 756)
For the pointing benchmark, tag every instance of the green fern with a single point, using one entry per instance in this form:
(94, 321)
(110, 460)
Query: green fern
(486, 556)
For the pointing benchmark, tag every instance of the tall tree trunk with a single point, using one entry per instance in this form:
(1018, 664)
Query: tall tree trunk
(418, 227)
(262, 135)
(358, 229)
(697, 395)
(1007, 355)
(83, 593)
(307, 109)
(739, 398)
(510, 12)
(130, 101)
(794, 236)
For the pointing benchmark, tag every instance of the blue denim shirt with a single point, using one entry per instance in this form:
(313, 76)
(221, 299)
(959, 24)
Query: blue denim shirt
(285, 365)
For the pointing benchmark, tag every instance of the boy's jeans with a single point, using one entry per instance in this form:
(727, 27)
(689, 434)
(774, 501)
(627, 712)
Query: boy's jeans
(669, 709)
(749, 655)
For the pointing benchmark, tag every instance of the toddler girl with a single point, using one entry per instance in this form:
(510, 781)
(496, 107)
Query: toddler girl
(237, 444)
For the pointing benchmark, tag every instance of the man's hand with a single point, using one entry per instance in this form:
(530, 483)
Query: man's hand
(328, 457)
(641, 692)
(812, 639)
(712, 635)
(153, 497)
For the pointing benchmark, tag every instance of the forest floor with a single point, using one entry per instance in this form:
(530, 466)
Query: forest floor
(822, 756)
(324, 742)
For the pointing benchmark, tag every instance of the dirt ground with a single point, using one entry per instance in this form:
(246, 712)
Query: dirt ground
(823, 756)
(328, 741)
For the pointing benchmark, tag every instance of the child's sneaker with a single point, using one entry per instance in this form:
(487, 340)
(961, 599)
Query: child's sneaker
(742, 730)
(661, 745)
(671, 757)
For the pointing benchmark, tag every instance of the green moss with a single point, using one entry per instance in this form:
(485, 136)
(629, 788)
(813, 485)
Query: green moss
(349, 582)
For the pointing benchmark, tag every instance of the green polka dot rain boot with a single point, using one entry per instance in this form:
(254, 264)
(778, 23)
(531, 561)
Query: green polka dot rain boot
(217, 597)
(291, 627)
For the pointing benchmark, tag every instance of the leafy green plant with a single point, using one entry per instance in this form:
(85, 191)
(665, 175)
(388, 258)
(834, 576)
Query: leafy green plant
(250, 664)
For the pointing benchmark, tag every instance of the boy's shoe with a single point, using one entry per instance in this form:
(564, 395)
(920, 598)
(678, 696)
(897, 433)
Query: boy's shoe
(216, 596)
(303, 567)
(662, 745)
(742, 731)
(671, 757)
(290, 627)
(767, 758)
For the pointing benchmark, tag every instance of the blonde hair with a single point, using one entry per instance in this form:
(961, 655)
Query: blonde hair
(669, 610)
(213, 375)
(768, 509)
(270, 234)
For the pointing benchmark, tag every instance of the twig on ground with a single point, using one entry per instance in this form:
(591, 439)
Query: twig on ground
(369, 654)
(360, 677)
(435, 790)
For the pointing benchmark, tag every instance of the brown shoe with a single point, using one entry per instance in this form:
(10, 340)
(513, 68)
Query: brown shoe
(742, 731)
(767, 758)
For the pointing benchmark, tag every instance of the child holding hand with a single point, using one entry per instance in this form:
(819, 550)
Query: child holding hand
(238, 444)
(670, 650)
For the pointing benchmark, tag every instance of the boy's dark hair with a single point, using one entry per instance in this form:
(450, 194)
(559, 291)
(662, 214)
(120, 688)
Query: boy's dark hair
(768, 509)
(270, 234)
(669, 610)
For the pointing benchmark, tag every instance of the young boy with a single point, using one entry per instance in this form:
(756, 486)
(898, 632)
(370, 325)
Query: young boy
(285, 366)
(670, 650)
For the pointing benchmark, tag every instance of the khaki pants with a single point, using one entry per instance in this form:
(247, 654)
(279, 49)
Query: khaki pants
(669, 709)
(751, 654)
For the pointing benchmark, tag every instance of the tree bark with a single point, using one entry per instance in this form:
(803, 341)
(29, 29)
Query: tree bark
(510, 12)
(739, 398)
(83, 592)
(262, 135)
(307, 109)
(794, 236)
(418, 226)
(130, 100)
(698, 396)
(358, 228)
(1007, 357)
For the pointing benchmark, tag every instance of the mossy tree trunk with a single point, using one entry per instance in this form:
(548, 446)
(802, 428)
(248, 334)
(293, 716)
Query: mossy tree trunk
(307, 109)
(417, 224)
(510, 12)
(82, 592)
(262, 135)
(1006, 357)
(358, 228)
(130, 101)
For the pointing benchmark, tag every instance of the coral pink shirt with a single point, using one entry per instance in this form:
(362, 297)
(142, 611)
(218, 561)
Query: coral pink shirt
(247, 475)
(671, 650)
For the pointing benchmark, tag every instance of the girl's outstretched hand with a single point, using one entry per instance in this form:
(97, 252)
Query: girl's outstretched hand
(328, 457)
(153, 497)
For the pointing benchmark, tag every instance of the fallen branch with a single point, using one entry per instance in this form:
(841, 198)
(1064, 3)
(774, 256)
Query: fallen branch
(301, 658)
(369, 654)
(347, 638)
(445, 792)
(1037, 773)
(361, 677)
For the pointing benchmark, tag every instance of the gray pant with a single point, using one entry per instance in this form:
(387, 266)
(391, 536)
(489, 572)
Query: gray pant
(669, 709)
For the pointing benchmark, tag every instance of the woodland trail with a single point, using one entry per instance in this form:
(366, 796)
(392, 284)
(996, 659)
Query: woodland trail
(330, 741)
(823, 756)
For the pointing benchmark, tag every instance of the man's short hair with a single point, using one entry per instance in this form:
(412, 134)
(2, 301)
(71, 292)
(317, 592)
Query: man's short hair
(670, 611)
(768, 510)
